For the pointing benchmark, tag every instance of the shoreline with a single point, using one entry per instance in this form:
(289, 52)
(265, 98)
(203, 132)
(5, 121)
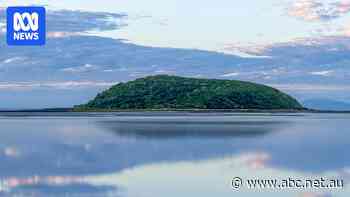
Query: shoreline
(72, 110)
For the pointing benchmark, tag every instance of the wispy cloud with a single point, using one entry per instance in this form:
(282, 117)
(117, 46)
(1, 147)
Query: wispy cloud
(233, 74)
(53, 85)
(325, 73)
(79, 21)
(313, 10)
(164, 71)
(311, 87)
(70, 21)
(81, 69)
(12, 60)
(248, 50)
(299, 47)
(61, 34)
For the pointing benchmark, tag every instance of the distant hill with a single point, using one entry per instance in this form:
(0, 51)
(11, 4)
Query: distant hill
(172, 92)
(326, 104)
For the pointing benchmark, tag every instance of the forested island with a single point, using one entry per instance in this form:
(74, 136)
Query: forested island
(164, 92)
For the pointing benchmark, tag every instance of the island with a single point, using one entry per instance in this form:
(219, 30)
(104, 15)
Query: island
(164, 92)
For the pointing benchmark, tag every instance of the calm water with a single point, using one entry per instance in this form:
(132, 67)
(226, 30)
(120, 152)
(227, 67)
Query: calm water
(169, 154)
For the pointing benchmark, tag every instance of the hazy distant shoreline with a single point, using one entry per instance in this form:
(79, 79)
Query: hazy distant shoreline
(72, 110)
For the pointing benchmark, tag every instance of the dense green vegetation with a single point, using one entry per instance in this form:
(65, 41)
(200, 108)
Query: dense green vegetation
(172, 92)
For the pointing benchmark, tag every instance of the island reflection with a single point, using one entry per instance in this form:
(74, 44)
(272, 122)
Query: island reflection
(74, 150)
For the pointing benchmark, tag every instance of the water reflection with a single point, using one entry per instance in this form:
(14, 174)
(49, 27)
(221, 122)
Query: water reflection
(92, 153)
(195, 129)
(212, 178)
(53, 186)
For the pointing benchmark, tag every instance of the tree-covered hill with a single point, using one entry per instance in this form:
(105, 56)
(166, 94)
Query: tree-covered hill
(172, 92)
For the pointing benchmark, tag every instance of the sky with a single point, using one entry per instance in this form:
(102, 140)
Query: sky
(210, 25)
(299, 46)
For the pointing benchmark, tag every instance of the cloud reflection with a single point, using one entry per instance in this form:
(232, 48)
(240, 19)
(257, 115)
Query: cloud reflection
(11, 152)
(53, 185)
(13, 182)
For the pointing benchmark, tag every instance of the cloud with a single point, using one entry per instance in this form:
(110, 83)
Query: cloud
(109, 70)
(240, 49)
(60, 34)
(121, 69)
(53, 85)
(82, 58)
(79, 21)
(312, 10)
(303, 48)
(311, 87)
(234, 74)
(70, 21)
(164, 72)
(12, 60)
(81, 69)
(325, 73)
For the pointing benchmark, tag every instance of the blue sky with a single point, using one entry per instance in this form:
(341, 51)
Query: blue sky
(301, 47)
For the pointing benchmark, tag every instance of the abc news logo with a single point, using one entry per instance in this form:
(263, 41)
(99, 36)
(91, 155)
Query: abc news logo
(26, 26)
